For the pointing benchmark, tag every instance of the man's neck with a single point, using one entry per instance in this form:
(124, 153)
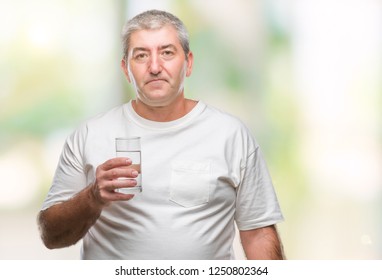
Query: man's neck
(171, 112)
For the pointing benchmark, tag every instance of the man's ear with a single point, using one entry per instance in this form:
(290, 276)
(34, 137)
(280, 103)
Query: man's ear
(190, 62)
(125, 69)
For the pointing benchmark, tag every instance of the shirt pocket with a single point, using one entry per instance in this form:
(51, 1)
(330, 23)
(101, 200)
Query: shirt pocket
(190, 182)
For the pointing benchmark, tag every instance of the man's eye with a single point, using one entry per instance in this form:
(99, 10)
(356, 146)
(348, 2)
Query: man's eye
(140, 56)
(167, 54)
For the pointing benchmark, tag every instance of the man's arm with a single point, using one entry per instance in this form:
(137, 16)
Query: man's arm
(65, 223)
(262, 244)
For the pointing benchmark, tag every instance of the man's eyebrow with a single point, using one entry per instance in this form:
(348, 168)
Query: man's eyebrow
(168, 46)
(139, 49)
(163, 47)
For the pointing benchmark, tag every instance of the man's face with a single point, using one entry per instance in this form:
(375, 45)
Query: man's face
(157, 66)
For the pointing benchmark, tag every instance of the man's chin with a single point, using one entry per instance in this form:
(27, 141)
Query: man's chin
(158, 102)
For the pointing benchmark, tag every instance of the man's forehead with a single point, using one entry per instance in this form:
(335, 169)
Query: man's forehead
(154, 38)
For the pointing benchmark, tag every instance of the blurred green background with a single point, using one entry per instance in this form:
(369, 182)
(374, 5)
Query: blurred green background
(304, 75)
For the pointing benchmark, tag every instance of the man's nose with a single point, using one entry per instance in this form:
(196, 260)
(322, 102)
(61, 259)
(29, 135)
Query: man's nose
(155, 65)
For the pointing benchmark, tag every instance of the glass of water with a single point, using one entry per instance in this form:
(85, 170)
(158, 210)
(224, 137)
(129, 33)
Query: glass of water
(130, 148)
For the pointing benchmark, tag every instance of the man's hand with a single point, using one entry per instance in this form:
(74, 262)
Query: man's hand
(108, 179)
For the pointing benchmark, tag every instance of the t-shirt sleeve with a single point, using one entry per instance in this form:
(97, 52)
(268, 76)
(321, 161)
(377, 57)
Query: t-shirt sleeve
(256, 201)
(70, 176)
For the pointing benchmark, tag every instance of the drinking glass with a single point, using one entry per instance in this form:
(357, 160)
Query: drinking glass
(130, 148)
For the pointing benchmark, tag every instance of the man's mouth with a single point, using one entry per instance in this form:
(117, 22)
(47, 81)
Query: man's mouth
(155, 81)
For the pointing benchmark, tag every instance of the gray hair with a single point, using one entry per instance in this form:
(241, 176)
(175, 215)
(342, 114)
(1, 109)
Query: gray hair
(154, 19)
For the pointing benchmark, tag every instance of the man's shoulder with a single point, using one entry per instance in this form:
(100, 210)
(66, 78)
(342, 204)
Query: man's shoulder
(100, 121)
(224, 116)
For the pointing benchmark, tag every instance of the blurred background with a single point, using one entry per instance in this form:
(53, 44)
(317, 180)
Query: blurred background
(304, 75)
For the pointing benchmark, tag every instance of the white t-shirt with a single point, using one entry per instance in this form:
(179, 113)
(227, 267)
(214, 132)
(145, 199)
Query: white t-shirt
(200, 173)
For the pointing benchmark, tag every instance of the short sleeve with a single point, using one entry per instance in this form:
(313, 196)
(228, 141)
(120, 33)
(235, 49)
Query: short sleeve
(256, 201)
(70, 176)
